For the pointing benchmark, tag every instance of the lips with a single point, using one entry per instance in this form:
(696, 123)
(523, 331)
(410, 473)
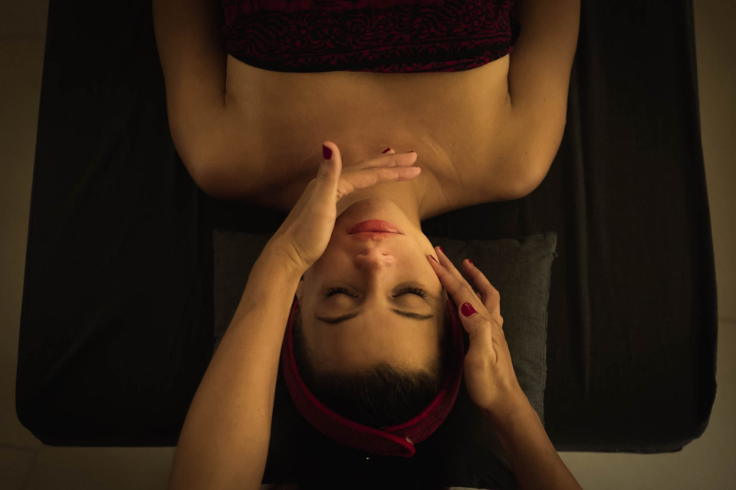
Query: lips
(374, 236)
(375, 226)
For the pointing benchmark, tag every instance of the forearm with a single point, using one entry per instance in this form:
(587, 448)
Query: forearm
(226, 434)
(533, 458)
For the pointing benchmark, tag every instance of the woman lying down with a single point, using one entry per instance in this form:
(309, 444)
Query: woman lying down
(360, 120)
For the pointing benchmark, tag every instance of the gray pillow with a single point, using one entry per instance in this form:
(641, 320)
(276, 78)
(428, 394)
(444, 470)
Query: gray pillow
(519, 269)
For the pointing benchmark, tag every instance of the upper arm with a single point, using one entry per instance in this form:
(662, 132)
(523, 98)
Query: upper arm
(193, 58)
(539, 78)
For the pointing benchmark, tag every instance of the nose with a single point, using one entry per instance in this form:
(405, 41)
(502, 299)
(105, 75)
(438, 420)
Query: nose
(374, 259)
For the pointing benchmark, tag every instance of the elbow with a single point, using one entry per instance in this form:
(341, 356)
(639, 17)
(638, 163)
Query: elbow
(208, 171)
(209, 183)
(212, 178)
(202, 170)
(535, 174)
(199, 156)
(539, 159)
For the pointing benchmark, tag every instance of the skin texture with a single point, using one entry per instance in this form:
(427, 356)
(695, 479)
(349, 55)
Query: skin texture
(372, 269)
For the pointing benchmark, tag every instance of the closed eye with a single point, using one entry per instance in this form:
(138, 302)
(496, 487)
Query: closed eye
(407, 289)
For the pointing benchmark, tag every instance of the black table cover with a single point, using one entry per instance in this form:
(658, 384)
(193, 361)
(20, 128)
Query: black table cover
(117, 317)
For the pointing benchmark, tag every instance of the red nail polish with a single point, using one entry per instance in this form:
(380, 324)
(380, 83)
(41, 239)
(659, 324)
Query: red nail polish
(432, 257)
(467, 309)
(443, 250)
(470, 261)
(326, 152)
(387, 149)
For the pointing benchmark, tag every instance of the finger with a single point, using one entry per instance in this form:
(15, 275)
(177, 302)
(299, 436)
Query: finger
(489, 298)
(459, 288)
(398, 159)
(368, 177)
(331, 166)
(490, 294)
(479, 279)
(349, 182)
(446, 262)
(389, 159)
(327, 183)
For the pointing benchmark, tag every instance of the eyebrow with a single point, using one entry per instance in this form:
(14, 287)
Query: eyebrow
(340, 319)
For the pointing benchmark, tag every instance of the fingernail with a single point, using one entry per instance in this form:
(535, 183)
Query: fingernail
(387, 149)
(467, 309)
(326, 152)
(412, 151)
(432, 257)
(443, 251)
(470, 262)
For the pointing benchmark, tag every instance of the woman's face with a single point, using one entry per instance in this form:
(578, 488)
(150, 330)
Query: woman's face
(373, 268)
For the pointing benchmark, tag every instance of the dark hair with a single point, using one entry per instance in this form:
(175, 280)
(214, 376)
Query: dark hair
(380, 396)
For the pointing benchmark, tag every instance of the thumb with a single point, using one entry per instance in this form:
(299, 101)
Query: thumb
(331, 166)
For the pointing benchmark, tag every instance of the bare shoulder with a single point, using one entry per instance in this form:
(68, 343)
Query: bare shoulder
(498, 166)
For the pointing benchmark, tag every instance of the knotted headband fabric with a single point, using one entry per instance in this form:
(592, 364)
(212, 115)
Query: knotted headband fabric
(397, 440)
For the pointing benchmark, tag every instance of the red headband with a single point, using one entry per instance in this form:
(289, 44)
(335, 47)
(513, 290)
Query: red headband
(395, 440)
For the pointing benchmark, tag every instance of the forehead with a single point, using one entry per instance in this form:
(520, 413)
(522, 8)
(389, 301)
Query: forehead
(361, 342)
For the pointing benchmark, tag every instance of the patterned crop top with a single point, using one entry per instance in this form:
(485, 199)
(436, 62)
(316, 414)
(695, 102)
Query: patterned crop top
(385, 36)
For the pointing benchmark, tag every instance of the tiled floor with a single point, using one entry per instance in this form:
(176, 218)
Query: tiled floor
(707, 463)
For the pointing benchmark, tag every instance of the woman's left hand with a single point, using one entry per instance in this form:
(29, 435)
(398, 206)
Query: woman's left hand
(304, 236)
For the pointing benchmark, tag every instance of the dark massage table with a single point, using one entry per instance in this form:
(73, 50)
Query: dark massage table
(117, 318)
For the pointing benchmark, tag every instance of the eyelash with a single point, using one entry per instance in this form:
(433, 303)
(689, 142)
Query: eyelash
(404, 290)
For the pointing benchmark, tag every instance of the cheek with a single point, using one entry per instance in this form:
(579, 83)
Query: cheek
(424, 242)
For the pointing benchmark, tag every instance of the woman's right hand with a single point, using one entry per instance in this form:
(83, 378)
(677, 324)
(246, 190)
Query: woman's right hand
(489, 375)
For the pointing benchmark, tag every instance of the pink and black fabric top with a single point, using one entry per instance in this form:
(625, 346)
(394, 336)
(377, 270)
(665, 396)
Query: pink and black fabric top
(385, 36)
